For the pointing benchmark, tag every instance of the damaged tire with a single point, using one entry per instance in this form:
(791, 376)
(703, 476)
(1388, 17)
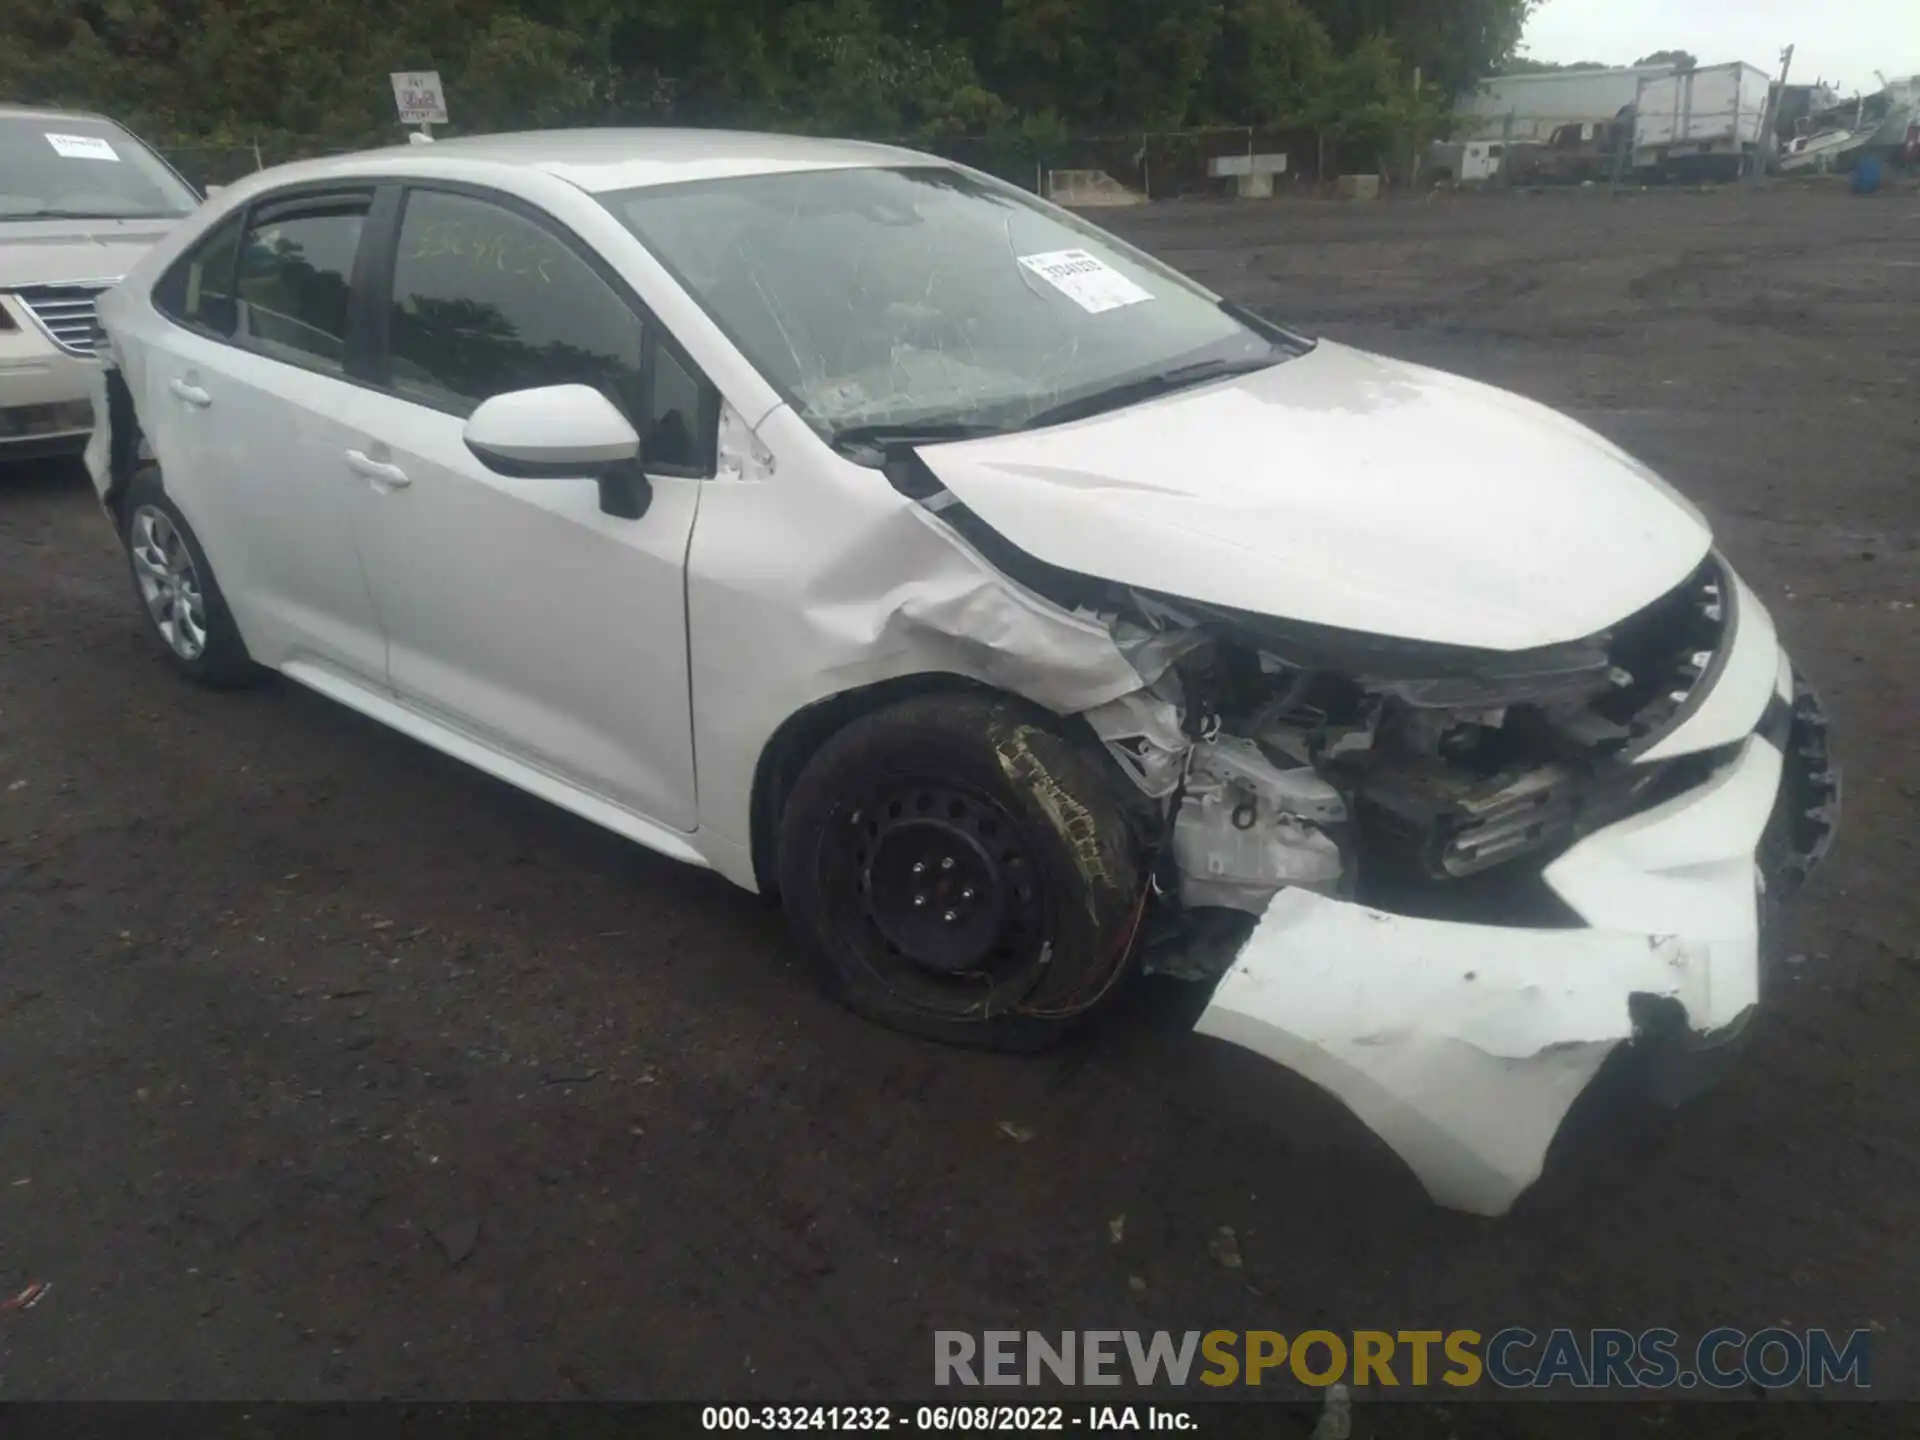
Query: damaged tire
(961, 871)
(177, 591)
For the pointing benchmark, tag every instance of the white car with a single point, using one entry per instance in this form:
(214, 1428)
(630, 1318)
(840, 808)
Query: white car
(80, 200)
(1023, 614)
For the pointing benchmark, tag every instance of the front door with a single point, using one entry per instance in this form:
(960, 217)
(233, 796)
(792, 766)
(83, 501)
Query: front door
(516, 610)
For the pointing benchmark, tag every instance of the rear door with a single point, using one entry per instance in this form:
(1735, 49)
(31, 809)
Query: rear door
(243, 400)
(517, 612)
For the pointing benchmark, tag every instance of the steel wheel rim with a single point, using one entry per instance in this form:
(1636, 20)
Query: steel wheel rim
(169, 582)
(996, 945)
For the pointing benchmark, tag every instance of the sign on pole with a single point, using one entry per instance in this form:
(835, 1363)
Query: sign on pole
(418, 95)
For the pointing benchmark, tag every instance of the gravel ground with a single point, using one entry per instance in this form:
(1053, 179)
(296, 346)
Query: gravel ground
(329, 1069)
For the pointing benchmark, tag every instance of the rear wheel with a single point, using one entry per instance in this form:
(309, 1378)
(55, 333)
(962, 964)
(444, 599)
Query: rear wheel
(961, 870)
(177, 590)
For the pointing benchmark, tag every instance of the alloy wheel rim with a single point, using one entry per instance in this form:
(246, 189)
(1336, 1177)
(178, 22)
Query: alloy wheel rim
(169, 583)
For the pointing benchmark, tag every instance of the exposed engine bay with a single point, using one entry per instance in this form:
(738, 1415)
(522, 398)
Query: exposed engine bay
(1403, 775)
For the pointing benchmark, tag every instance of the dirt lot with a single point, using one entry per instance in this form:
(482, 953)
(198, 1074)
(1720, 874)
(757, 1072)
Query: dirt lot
(331, 1069)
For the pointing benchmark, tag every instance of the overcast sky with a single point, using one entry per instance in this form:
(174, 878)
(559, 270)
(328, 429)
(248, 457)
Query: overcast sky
(1840, 41)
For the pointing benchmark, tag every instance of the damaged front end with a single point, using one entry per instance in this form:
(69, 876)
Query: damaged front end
(1459, 881)
(1447, 883)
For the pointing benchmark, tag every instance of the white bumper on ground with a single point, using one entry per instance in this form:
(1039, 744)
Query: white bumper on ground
(1463, 1046)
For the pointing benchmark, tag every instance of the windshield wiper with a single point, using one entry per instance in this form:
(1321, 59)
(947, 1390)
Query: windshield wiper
(888, 437)
(1164, 382)
(908, 433)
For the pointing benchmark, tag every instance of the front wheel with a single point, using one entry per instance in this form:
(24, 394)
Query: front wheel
(961, 870)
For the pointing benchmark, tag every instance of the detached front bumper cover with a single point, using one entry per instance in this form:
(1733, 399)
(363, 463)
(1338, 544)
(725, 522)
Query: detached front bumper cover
(1463, 1046)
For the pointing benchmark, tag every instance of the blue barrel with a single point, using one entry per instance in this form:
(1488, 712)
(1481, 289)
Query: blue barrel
(1866, 176)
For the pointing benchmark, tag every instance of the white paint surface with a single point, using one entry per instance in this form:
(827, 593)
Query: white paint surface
(1347, 490)
(553, 425)
(1721, 107)
(1739, 696)
(1463, 1046)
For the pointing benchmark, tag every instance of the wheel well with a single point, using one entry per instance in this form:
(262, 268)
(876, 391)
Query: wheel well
(802, 734)
(123, 457)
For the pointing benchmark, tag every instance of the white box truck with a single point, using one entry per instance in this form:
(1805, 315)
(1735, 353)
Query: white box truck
(1700, 124)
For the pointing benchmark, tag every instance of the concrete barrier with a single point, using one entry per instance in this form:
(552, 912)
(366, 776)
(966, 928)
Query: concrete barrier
(1252, 175)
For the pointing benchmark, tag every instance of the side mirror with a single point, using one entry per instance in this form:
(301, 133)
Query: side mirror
(562, 432)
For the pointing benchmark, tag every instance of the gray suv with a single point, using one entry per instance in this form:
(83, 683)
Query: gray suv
(80, 199)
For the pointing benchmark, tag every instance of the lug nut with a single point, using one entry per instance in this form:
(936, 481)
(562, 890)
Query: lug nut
(919, 901)
(950, 917)
(947, 863)
(919, 867)
(967, 894)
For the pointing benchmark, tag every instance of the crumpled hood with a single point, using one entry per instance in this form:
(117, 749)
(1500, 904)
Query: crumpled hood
(1347, 490)
(63, 252)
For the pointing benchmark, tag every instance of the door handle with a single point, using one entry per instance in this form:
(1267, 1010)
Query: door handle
(389, 477)
(192, 394)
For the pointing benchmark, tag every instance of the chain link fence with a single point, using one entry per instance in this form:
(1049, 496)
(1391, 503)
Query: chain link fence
(204, 164)
(1511, 150)
(1149, 164)
(1164, 164)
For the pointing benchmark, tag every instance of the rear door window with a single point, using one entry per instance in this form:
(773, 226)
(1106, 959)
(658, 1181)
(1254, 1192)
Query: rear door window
(198, 290)
(295, 275)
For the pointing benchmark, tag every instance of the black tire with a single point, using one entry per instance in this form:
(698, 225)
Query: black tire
(213, 655)
(1031, 886)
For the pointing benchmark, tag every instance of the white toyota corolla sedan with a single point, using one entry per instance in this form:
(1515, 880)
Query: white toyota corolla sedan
(1023, 614)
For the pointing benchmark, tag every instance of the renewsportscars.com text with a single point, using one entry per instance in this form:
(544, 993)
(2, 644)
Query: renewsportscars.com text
(1511, 1359)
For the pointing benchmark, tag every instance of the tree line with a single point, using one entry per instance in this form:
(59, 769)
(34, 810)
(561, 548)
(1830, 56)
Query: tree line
(233, 71)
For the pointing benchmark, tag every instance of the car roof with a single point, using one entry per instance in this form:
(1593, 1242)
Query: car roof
(51, 112)
(620, 159)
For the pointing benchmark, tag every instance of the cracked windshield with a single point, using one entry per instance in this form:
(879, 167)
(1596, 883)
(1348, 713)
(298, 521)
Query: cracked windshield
(922, 302)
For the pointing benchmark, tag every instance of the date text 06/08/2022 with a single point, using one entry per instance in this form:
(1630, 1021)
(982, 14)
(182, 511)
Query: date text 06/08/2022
(939, 1418)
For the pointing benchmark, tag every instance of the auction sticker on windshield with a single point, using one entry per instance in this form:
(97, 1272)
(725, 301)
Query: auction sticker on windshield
(81, 147)
(1085, 279)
